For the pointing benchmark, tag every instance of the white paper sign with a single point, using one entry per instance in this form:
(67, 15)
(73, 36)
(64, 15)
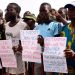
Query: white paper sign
(55, 45)
(55, 64)
(7, 54)
(31, 51)
(15, 41)
(54, 59)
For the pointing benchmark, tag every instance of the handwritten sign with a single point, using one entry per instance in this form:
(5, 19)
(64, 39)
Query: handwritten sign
(55, 64)
(31, 50)
(55, 45)
(7, 54)
(15, 41)
(54, 59)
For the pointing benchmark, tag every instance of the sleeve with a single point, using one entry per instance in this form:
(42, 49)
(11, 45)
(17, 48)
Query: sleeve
(56, 31)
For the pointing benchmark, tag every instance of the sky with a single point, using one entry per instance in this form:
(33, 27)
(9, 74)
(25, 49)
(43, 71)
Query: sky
(33, 5)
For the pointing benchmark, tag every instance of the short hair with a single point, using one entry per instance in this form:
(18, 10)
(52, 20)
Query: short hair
(16, 7)
(42, 6)
(43, 18)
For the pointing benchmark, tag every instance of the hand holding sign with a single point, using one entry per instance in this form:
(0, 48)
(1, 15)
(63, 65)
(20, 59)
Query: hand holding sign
(69, 53)
(41, 40)
(54, 59)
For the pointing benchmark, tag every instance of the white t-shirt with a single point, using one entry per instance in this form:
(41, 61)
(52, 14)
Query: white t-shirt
(13, 33)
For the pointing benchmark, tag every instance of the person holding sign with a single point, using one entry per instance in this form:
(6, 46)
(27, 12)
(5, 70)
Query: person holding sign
(30, 19)
(12, 31)
(47, 27)
(2, 37)
(69, 32)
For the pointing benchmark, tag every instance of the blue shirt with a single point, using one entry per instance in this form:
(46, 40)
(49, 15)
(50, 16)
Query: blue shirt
(49, 30)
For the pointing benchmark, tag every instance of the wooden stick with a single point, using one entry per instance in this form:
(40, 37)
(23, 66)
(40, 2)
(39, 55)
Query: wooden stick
(24, 68)
(16, 72)
(33, 68)
(42, 66)
(26, 72)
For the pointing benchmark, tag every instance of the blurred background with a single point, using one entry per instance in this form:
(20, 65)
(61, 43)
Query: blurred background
(33, 5)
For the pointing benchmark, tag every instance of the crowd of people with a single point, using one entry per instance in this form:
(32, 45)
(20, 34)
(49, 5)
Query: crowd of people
(50, 22)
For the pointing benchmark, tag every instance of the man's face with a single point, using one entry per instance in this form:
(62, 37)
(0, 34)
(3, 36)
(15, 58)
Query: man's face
(11, 13)
(71, 13)
(30, 22)
(47, 8)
